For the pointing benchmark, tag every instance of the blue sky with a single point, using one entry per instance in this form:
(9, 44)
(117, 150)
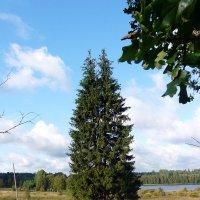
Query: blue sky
(43, 44)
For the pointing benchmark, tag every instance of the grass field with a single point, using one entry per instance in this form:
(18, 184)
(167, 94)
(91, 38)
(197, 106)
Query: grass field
(161, 195)
(11, 195)
(145, 195)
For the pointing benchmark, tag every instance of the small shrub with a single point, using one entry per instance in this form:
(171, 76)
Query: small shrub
(197, 189)
(193, 194)
(155, 193)
(147, 195)
(27, 194)
(184, 190)
(182, 193)
(161, 192)
(13, 188)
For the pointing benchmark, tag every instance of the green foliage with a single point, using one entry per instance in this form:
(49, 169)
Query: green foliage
(28, 184)
(59, 183)
(101, 164)
(1, 182)
(27, 194)
(7, 181)
(50, 180)
(166, 35)
(41, 180)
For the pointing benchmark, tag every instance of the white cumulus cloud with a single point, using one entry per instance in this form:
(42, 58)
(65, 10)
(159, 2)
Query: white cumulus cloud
(160, 129)
(47, 139)
(32, 68)
(156, 155)
(41, 147)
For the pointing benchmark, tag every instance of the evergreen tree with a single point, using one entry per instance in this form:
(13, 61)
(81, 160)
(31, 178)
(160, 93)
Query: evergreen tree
(101, 164)
(83, 132)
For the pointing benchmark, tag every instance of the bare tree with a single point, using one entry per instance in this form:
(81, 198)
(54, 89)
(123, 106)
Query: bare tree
(24, 118)
(2, 82)
(195, 145)
(17, 198)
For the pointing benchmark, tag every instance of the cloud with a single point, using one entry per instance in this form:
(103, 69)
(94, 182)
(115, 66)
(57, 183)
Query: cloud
(23, 30)
(47, 139)
(27, 162)
(161, 133)
(34, 68)
(154, 155)
(41, 147)
(160, 130)
(148, 109)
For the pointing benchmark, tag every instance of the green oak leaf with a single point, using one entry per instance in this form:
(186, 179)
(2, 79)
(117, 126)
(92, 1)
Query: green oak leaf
(175, 71)
(172, 59)
(159, 60)
(171, 89)
(184, 5)
(182, 78)
(168, 20)
(192, 58)
(129, 53)
(168, 69)
(183, 96)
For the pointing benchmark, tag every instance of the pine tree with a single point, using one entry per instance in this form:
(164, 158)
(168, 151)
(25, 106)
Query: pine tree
(83, 133)
(101, 162)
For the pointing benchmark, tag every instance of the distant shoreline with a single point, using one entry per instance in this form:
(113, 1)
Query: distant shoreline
(166, 184)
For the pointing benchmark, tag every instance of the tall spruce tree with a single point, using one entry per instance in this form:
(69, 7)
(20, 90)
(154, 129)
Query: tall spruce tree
(102, 166)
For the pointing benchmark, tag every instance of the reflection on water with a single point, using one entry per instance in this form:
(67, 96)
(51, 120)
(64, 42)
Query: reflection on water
(169, 188)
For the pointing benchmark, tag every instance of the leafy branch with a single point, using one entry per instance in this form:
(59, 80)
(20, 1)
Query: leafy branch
(165, 35)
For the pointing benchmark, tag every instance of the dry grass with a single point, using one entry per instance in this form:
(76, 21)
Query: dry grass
(145, 195)
(161, 195)
(11, 195)
(171, 198)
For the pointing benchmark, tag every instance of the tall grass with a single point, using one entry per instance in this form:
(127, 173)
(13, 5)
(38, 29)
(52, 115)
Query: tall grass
(144, 194)
(10, 195)
(161, 195)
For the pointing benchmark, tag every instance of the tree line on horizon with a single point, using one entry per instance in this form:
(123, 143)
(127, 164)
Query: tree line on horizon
(39, 181)
(42, 181)
(171, 177)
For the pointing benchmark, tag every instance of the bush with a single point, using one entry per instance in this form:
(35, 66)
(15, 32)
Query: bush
(27, 194)
(142, 192)
(147, 195)
(161, 192)
(182, 193)
(194, 194)
(13, 188)
(185, 190)
(197, 189)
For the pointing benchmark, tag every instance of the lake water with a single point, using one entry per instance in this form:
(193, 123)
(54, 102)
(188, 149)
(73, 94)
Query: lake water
(169, 188)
